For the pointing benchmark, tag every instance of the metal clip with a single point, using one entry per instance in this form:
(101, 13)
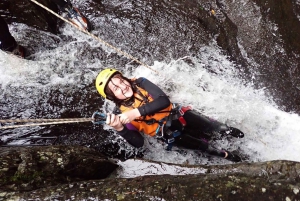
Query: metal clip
(99, 118)
(183, 109)
(160, 128)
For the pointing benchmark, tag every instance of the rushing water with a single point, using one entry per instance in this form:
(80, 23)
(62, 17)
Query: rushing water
(58, 82)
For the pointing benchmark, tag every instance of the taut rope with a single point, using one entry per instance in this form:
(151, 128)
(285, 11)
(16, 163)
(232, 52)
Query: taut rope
(42, 122)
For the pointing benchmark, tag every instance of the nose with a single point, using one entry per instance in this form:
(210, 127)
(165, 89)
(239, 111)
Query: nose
(123, 86)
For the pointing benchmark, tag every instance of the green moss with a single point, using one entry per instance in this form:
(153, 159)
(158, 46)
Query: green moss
(230, 184)
(120, 197)
(3, 180)
(18, 177)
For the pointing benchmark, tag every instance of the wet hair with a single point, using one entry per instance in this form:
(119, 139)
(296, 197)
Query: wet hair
(111, 96)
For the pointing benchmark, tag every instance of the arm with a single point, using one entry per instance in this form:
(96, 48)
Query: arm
(133, 137)
(161, 100)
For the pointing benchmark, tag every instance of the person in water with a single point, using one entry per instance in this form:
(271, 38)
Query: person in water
(142, 107)
(73, 14)
(8, 42)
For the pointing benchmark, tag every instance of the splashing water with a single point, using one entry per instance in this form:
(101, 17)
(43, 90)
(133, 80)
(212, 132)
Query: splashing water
(210, 83)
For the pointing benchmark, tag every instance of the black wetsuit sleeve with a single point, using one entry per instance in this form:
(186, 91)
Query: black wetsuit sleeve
(161, 100)
(133, 137)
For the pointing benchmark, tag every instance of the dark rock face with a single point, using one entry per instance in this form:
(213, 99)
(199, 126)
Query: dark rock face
(28, 168)
(268, 35)
(27, 12)
(282, 74)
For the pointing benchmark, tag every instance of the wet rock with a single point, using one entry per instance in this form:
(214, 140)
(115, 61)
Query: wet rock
(27, 12)
(268, 35)
(275, 180)
(28, 168)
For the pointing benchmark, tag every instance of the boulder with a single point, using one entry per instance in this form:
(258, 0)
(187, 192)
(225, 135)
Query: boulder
(28, 168)
(274, 180)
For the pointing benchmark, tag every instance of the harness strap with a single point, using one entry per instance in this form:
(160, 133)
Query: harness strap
(171, 139)
(182, 110)
(164, 124)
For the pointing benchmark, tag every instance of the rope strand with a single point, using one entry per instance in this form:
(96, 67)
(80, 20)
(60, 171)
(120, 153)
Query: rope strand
(39, 124)
(42, 122)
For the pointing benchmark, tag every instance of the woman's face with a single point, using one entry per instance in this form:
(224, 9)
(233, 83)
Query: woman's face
(120, 87)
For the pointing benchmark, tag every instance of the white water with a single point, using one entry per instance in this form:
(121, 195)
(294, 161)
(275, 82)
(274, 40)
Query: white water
(270, 134)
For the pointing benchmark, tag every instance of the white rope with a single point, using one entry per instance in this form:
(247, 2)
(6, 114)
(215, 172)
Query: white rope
(44, 122)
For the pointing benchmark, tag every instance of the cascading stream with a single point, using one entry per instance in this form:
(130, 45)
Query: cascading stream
(58, 83)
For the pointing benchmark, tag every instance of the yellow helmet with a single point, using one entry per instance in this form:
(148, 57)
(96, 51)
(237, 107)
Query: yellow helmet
(103, 79)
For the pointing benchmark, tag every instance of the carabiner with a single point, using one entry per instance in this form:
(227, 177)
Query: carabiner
(99, 118)
(161, 129)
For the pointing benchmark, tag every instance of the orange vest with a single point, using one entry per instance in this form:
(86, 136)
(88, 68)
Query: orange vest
(142, 126)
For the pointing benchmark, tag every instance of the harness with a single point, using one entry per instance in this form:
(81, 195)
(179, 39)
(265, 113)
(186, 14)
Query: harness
(163, 131)
(158, 124)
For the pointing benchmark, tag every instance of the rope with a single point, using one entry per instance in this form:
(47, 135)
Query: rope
(42, 122)
(95, 37)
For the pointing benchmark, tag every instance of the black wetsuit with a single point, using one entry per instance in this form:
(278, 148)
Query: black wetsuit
(191, 135)
(7, 41)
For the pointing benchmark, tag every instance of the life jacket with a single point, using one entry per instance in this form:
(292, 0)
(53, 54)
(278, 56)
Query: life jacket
(148, 124)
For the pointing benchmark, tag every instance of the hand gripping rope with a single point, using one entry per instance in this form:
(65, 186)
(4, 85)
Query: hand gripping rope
(97, 118)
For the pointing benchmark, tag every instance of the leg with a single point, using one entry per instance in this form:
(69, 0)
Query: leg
(190, 142)
(196, 120)
(209, 126)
